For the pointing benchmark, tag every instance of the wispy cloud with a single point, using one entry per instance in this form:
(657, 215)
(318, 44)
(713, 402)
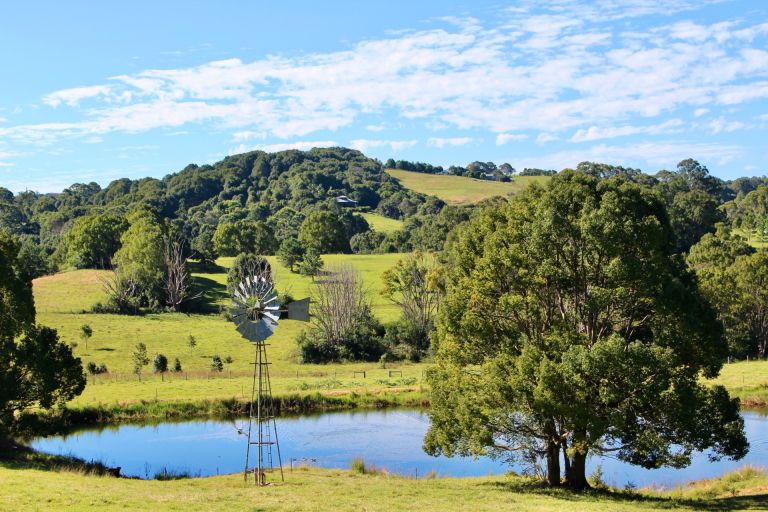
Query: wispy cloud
(594, 133)
(655, 154)
(444, 142)
(503, 138)
(447, 77)
(394, 145)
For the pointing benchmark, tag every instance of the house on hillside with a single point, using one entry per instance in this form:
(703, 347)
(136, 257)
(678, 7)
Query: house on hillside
(345, 201)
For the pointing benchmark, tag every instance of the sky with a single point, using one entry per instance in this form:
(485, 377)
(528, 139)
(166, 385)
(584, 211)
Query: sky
(95, 91)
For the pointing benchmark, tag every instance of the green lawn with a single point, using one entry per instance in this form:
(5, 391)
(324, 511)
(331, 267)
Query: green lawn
(752, 239)
(29, 486)
(461, 190)
(382, 224)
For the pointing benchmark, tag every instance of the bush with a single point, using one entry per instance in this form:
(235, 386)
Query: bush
(93, 369)
(358, 466)
(405, 341)
(247, 265)
(217, 365)
(160, 364)
(362, 343)
(229, 360)
(176, 365)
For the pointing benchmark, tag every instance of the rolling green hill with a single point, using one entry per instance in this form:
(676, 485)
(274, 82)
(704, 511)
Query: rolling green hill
(460, 190)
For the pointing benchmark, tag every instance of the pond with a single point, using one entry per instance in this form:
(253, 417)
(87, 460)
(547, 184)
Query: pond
(390, 439)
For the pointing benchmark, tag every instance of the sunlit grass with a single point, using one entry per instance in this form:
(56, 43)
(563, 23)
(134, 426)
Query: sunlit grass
(461, 190)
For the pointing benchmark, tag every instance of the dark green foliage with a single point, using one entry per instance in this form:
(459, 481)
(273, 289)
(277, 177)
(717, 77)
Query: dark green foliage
(203, 248)
(362, 343)
(176, 366)
(36, 368)
(311, 263)
(246, 265)
(93, 240)
(160, 363)
(95, 369)
(325, 232)
(570, 325)
(33, 260)
(217, 365)
(244, 237)
(290, 253)
(367, 242)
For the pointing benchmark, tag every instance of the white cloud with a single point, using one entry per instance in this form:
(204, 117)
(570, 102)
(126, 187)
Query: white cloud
(655, 154)
(282, 146)
(503, 138)
(375, 127)
(248, 135)
(544, 137)
(700, 112)
(596, 133)
(443, 142)
(563, 68)
(722, 125)
(74, 95)
(363, 145)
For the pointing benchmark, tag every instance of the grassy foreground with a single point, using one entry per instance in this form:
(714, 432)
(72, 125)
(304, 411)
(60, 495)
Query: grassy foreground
(459, 189)
(33, 485)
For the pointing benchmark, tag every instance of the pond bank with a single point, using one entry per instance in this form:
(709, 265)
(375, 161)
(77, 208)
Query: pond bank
(67, 419)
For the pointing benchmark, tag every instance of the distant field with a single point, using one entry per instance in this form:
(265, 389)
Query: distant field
(62, 298)
(752, 240)
(382, 224)
(461, 190)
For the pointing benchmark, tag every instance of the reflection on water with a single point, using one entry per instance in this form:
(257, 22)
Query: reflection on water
(388, 438)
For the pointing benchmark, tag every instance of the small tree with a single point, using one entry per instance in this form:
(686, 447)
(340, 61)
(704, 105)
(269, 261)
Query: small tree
(160, 364)
(247, 265)
(191, 342)
(176, 365)
(290, 253)
(217, 365)
(140, 359)
(85, 334)
(176, 280)
(311, 263)
(414, 284)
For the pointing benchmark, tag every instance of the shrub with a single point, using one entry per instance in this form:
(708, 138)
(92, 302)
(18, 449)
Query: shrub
(358, 466)
(176, 365)
(217, 365)
(160, 363)
(95, 369)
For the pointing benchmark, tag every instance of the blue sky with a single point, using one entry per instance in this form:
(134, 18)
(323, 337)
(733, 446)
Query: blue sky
(94, 91)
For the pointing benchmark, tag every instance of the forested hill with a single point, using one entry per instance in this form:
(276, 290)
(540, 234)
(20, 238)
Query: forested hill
(255, 201)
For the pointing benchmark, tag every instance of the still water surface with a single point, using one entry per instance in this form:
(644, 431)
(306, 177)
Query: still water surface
(388, 438)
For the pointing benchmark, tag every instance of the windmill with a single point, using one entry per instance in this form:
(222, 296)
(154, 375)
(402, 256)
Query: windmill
(255, 312)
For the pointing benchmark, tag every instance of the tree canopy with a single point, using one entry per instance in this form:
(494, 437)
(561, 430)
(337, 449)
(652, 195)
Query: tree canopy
(570, 327)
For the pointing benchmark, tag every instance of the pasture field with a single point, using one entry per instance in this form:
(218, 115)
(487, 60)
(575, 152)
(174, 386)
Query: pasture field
(31, 485)
(382, 224)
(459, 190)
(62, 300)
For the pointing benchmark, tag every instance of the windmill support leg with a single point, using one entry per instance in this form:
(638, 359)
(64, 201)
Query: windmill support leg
(261, 413)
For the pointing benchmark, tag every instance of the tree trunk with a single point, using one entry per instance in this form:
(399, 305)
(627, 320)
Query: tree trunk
(566, 459)
(553, 463)
(577, 478)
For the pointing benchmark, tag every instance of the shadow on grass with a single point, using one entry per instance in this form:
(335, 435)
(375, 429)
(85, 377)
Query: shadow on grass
(105, 349)
(752, 502)
(195, 267)
(211, 295)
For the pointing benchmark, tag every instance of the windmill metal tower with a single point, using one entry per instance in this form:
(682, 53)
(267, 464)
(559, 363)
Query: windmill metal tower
(255, 312)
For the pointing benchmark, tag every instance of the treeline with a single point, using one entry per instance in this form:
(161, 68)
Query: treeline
(478, 170)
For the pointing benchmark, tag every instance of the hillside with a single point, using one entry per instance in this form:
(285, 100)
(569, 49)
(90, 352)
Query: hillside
(459, 190)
